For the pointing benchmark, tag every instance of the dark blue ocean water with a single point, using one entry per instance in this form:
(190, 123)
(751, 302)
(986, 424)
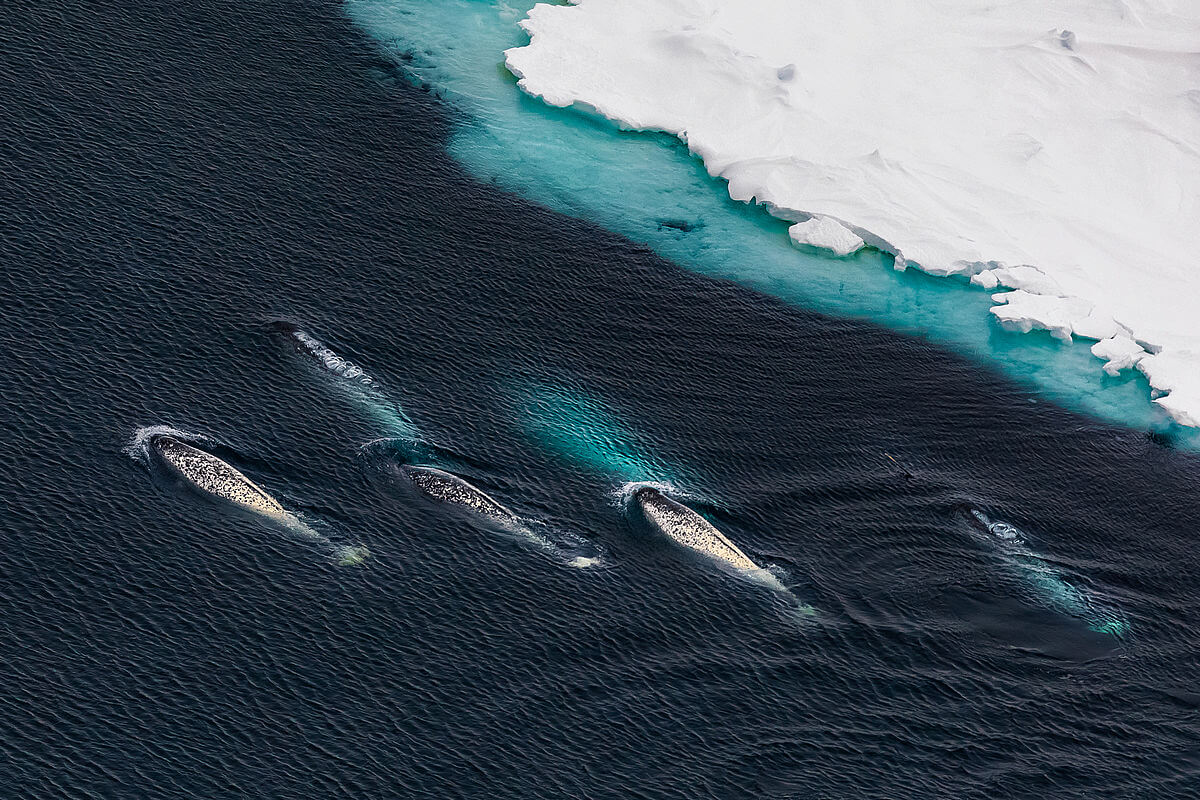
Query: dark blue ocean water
(180, 178)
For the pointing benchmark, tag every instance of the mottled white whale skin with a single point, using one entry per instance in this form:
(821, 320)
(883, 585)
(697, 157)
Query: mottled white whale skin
(684, 526)
(448, 488)
(213, 476)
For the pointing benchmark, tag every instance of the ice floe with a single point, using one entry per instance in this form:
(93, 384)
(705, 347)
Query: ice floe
(826, 234)
(1047, 147)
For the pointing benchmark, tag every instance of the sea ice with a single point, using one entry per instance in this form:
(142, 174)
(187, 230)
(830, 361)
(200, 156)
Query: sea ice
(1118, 352)
(1051, 147)
(827, 234)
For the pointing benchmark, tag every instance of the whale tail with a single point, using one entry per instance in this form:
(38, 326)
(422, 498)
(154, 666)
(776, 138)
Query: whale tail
(791, 608)
(351, 555)
(346, 555)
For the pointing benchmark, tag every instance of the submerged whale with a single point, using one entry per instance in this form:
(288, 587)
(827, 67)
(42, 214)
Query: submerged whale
(352, 381)
(1052, 587)
(221, 480)
(217, 478)
(686, 527)
(445, 487)
(312, 347)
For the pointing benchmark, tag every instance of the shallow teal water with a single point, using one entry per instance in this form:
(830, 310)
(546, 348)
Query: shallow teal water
(580, 429)
(648, 188)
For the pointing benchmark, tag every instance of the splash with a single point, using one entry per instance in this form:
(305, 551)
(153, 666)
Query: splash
(622, 495)
(1049, 585)
(141, 449)
(140, 446)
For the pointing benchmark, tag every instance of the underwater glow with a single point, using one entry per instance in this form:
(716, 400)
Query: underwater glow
(579, 428)
(1049, 586)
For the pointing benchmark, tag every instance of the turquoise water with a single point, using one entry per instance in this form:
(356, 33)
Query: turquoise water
(648, 188)
(581, 430)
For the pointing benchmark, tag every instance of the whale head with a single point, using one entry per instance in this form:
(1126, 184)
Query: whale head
(647, 494)
(166, 444)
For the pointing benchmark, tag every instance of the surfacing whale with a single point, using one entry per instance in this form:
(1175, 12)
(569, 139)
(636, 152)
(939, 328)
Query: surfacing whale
(352, 381)
(325, 357)
(221, 480)
(686, 527)
(445, 487)
(217, 478)
(563, 547)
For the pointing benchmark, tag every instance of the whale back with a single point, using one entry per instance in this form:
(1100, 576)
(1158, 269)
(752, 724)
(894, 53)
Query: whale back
(213, 476)
(688, 528)
(448, 488)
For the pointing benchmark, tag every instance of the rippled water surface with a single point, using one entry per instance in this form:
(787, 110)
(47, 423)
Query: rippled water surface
(1006, 592)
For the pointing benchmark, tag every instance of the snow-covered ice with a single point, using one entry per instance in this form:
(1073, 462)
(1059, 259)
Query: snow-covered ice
(826, 234)
(1048, 147)
(1118, 352)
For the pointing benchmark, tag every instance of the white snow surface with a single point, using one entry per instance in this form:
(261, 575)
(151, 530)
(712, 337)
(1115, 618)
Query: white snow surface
(1046, 146)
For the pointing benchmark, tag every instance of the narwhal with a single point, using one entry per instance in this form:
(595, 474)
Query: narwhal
(223, 481)
(446, 487)
(213, 476)
(1052, 588)
(687, 528)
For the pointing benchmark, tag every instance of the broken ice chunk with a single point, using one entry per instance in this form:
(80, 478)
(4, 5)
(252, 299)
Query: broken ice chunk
(826, 234)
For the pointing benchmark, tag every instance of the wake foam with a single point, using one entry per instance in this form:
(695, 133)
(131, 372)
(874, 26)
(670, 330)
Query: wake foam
(621, 496)
(328, 360)
(140, 450)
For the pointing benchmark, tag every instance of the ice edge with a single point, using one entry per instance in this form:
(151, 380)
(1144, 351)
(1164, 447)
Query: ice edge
(582, 56)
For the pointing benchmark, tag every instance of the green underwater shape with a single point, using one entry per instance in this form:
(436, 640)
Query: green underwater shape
(582, 430)
(352, 555)
(1062, 596)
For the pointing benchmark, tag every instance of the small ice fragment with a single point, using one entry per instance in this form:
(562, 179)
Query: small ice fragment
(987, 279)
(826, 234)
(1118, 353)
(1031, 279)
(1022, 311)
(1098, 325)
